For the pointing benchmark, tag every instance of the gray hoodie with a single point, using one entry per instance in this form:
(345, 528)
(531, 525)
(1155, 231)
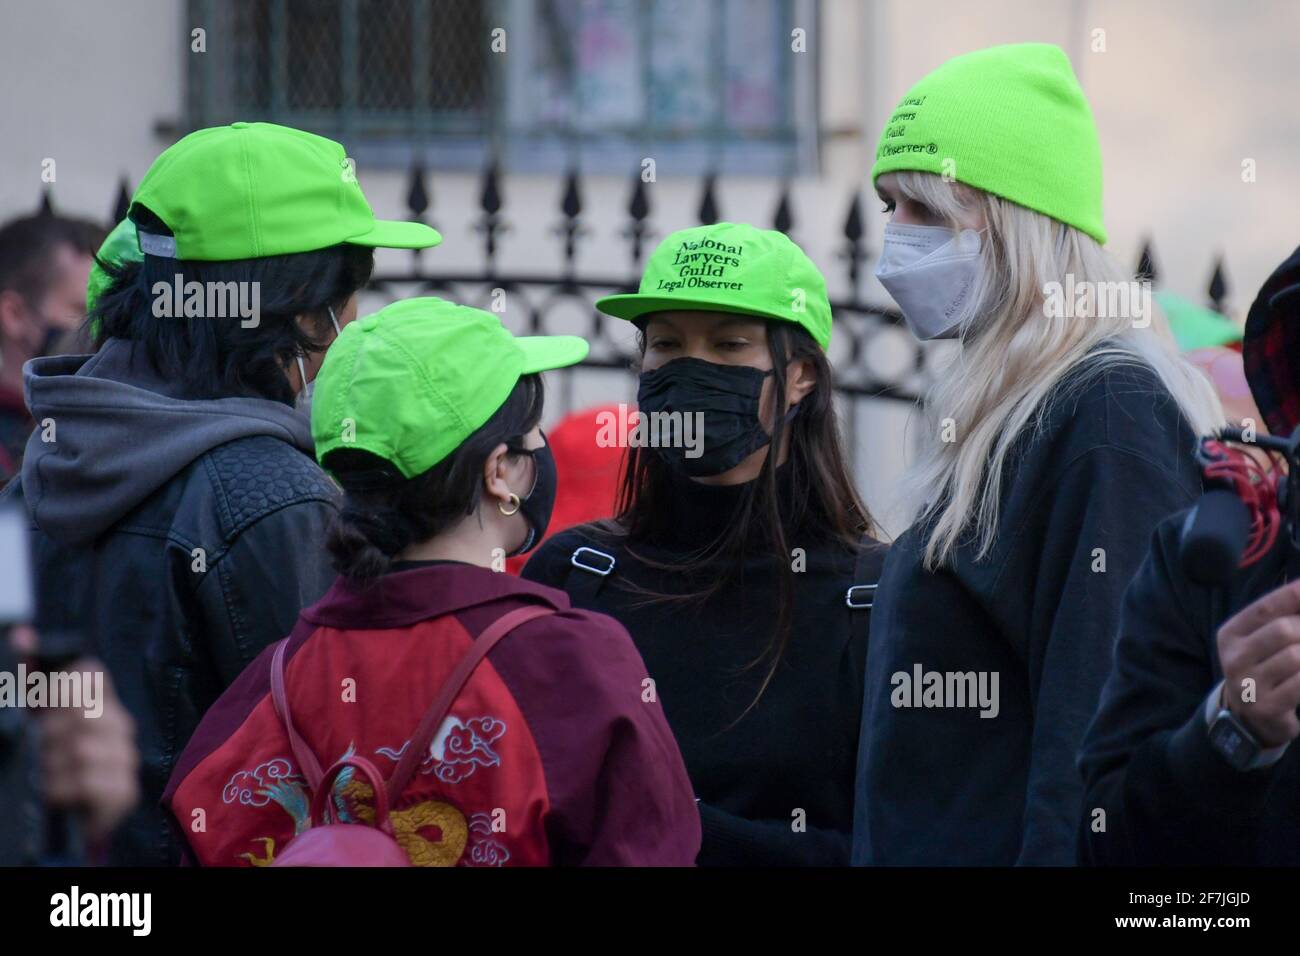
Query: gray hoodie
(109, 433)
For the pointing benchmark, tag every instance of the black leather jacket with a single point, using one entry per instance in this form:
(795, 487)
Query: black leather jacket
(180, 594)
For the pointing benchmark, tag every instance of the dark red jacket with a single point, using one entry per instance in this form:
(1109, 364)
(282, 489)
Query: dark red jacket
(556, 751)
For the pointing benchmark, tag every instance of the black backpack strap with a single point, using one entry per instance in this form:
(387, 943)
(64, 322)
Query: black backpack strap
(866, 575)
(589, 568)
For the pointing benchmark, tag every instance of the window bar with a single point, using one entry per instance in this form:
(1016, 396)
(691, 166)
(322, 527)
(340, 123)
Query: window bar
(496, 79)
(421, 79)
(717, 132)
(802, 120)
(206, 93)
(348, 58)
(279, 59)
(649, 119)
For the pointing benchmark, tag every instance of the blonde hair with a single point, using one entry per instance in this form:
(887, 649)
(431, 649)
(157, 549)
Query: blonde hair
(1016, 352)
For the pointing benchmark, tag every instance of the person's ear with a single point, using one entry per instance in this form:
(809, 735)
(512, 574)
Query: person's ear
(800, 379)
(13, 315)
(496, 481)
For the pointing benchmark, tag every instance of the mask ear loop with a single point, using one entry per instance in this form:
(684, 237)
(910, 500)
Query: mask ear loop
(532, 456)
(302, 374)
(302, 369)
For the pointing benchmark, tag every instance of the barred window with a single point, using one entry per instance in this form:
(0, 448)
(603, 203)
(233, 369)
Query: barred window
(702, 85)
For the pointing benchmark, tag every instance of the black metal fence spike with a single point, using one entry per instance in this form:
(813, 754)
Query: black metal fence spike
(639, 205)
(1146, 270)
(490, 197)
(571, 228)
(571, 203)
(853, 229)
(123, 202)
(637, 231)
(491, 224)
(47, 203)
(1218, 286)
(855, 252)
(708, 202)
(417, 196)
(784, 218)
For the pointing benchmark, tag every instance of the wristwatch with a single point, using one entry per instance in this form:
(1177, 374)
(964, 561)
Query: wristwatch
(1232, 740)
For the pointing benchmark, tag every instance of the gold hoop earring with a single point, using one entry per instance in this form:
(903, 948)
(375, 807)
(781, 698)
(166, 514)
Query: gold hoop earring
(514, 500)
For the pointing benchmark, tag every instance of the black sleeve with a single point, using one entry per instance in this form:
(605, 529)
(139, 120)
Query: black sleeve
(1155, 791)
(252, 594)
(729, 840)
(1100, 515)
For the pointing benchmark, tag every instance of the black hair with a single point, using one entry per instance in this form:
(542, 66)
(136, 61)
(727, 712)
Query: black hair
(383, 512)
(821, 503)
(211, 356)
(27, 246)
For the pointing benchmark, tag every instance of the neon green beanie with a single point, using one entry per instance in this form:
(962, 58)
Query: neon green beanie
(1010, 120)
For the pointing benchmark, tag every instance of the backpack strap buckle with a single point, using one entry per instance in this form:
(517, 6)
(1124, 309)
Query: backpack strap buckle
(583, 557)
(860, 596)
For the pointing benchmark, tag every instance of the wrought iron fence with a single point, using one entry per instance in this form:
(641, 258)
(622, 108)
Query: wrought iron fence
(552, 297)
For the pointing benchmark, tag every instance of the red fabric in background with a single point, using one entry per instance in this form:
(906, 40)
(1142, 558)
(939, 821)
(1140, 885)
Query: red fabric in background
(586, 473)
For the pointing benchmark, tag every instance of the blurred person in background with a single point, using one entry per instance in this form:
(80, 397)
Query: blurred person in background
(1052, 444)
(64, 774)
(45, 261)
(178, 515)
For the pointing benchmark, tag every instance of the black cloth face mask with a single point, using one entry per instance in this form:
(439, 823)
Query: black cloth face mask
(726, 397)
(539, 504)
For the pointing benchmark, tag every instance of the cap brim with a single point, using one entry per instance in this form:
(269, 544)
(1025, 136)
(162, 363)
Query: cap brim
(633, 305)
(542, 352)
(393, 234)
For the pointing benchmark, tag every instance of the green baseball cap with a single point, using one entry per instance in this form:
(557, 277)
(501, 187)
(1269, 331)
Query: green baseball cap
(250, 190)
(415, 379)
(730, 267)
(118, 248)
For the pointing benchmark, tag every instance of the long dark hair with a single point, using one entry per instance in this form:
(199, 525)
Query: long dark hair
(213, 357)
(383, 512)
(819, 499)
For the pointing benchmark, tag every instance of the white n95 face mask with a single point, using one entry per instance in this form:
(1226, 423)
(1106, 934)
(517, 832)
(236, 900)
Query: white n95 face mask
(930, 273)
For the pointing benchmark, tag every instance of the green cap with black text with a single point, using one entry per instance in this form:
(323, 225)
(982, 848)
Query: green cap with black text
(730, 267)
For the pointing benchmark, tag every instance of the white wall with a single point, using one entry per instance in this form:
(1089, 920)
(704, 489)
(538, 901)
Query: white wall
(1185, 90)
(83, 83)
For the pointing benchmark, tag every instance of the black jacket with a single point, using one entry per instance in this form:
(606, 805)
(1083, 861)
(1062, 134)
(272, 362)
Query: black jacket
(776, 785)
(1157, 792)
(1164, 795)
(944, 778)
(174, 540)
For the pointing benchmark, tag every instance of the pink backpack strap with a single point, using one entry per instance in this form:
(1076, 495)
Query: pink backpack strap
(306, 759)
(418, 747)
(320, 800)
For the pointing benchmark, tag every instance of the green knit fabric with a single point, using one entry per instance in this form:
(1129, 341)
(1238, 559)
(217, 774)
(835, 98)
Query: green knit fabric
(1010, 120)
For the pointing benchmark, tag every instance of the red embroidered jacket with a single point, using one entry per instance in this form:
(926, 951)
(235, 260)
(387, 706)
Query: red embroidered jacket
(555, 752)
